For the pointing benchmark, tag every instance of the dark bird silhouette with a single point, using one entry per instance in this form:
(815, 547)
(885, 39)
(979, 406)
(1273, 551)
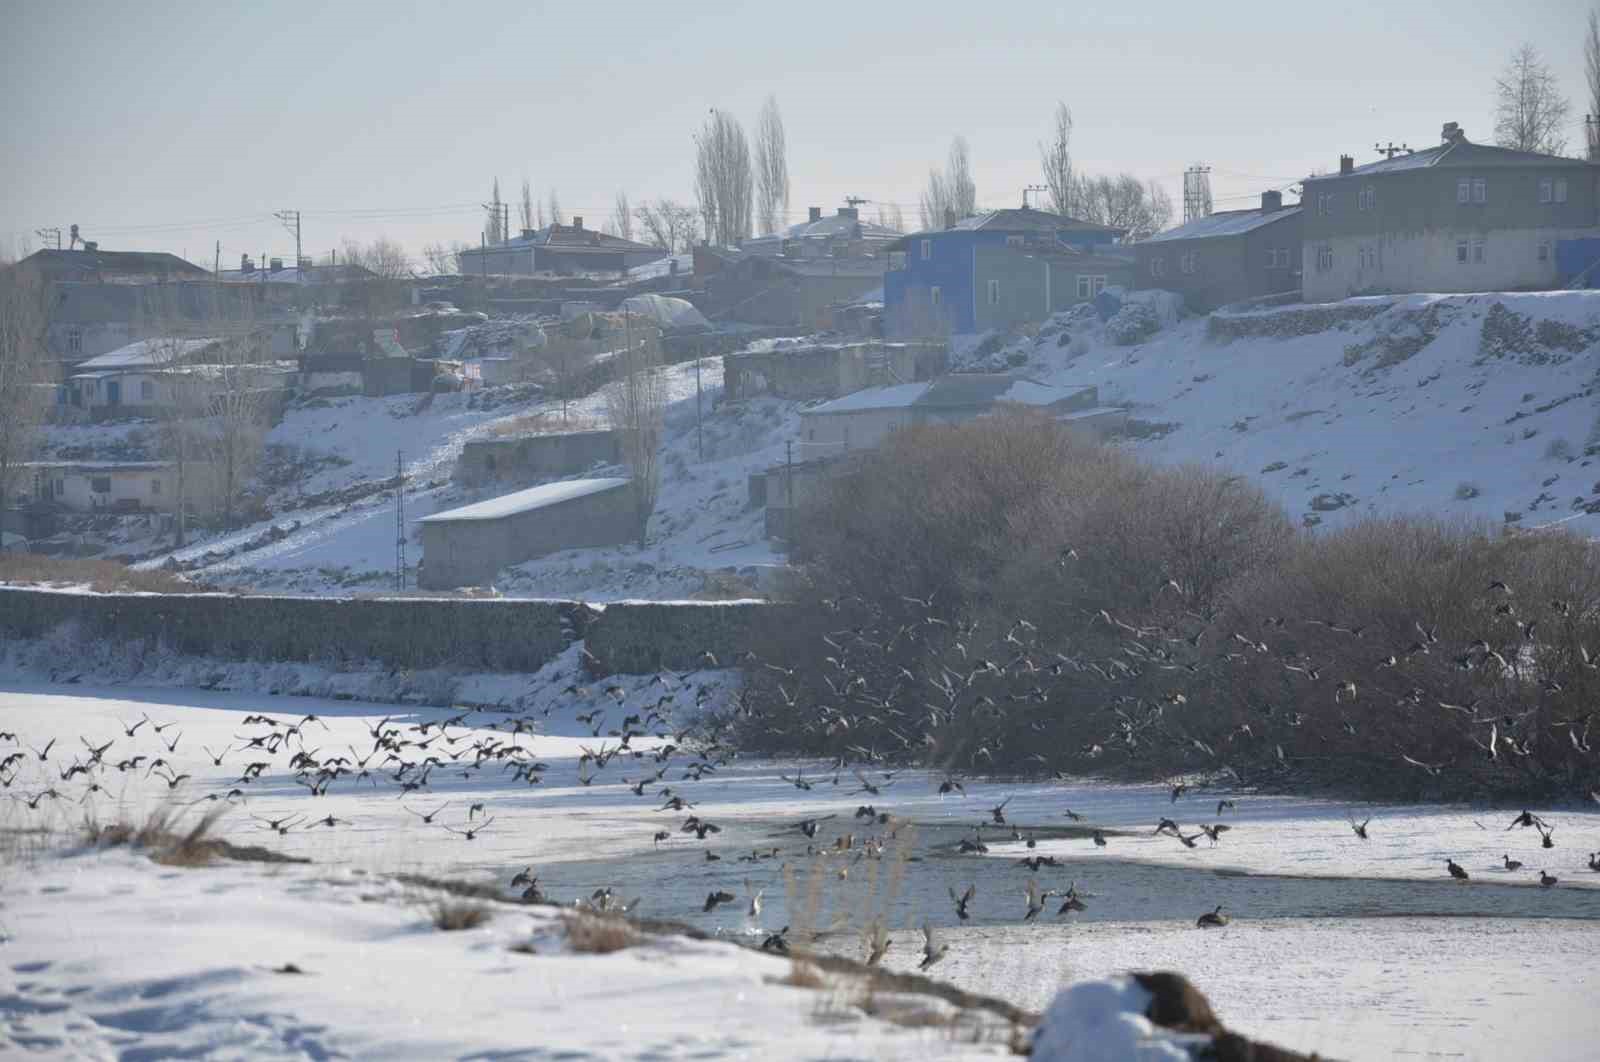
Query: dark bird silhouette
(1214, 833)
(777, 942)
(717, 897)
(524, 877)
(950, 785)
(44, 754)
(1212, 918)
(1594, 861)
(809, 826)
(428, 818)
(998, 812)
(1511, 864)
(1455, 870)
(1546, 879)
(1071, 902)
(1361, 828)
(972, 847)
(1224, 804)
(472, 831)
(933, 949)
(1099, 839)
(1545, 837)
(963, 901)
(1526, 819)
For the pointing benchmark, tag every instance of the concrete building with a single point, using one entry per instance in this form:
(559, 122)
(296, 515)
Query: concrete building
(120, 486)
(558, 249)
(806, 370)
(786, 291)
(863, 420)
(1226, 257)
(1456, 217)
(1016, 286)
(844, 235)
(524, 459)
(468, 546)
(933, 284)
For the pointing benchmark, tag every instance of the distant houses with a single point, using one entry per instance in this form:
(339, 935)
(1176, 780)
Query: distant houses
(558, 248)
(1226, 257)
(956, 278)
(1455, 217)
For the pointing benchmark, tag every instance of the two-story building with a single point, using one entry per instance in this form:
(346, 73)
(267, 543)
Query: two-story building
(1226, 257)
(935, 283)
(1456, 217)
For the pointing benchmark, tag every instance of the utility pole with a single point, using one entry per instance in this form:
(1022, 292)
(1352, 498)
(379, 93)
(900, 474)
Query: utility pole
(1031, 188)
(399, 520)
(1389, 150)
(216, 262)
(1196, 193)
(288, 216)
(699, 436)
(50, 236)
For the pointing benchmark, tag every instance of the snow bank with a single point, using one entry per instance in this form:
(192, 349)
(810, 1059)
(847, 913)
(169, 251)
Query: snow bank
(1103, 1021)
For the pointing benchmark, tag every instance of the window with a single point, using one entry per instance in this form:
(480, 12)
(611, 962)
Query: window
(1561, 189)
(1463, 190)
(897, 260)
(1461, 251)
(1089, 286)
(1324, 258)
(927, 249)
(74, 341)
(1361, 257)
(1368, 198)
(935, 295)
(147, 390)
(155, 488)
(100, 484)
(994, 293)
(1480, 190)
(1158, 267)
(1278, 258)
(1477, 252)
(1325, 203)
(1544, 250)
(1188, 261)
(1013, 241)
(1546, 190)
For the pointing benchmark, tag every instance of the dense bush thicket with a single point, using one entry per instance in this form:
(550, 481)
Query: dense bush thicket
(1005, 596)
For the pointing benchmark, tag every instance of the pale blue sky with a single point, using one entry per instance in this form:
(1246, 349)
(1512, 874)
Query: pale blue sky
(171, 125)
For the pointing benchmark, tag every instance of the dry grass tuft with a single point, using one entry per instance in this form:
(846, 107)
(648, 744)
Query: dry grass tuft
(595, 934)
(161, 835)
(802, 974)
(99, 575)
(452, 914)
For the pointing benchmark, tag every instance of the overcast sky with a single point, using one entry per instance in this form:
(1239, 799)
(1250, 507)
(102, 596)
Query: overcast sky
(172, 125)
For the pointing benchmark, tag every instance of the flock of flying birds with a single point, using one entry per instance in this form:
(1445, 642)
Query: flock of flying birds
(404, 758)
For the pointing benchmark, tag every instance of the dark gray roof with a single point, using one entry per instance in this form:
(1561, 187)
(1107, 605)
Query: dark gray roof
(1026, 219)
(64, 264)
(567, 238)
(1457, 154)
(1223, 223)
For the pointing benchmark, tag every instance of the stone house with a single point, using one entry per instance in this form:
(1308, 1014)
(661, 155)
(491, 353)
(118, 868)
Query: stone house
(469, 545)
(525, 459)
(1015, 285)
(121, 486)
(1455, 217)
(1225, 257)
(558, 249)
(807, 370)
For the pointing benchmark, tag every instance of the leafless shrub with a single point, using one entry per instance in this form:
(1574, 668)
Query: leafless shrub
(450, 915)
(599, 934)
(803, 974)
(99, 575)
(162, 835)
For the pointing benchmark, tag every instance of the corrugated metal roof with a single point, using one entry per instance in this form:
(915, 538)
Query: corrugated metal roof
(523, 501)
(1459, 153)
(146, 353)
(962, 390)
(1029, 220)
(1223, 223)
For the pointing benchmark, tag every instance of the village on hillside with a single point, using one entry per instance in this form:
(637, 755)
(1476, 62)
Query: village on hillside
(367, 421)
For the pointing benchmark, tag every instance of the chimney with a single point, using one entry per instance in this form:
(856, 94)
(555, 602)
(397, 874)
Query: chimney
(949, 219)
(577, 222)
(274, 265)
(244, 264)
(527, 234)
(1347, 165)
(1271, 201)
(1452, 133)
(814, 214)
(849, 212)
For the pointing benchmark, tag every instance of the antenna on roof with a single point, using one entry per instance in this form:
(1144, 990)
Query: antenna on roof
(1389, 150)
(855, 200)
(1031, 188)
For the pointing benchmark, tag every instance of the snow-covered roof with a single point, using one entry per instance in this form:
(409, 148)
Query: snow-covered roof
(1224, 223)
(523, 501)
(566, 238)
(147, 352)
(1027, 219)
(966, 390)
(1460, 152)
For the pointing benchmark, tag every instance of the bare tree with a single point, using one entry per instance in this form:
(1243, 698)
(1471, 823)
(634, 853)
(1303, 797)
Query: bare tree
(724, 180)
(772, 168)
(636, 402)
(443, 260)
(1123, 202)
(23, 370)
(890, 216)
(622, 216)
(494, 229)
(378, 296)
(556, 216)
(1055, 158)
(1591, 74)
(951, 191)
(525, 211)
(1530, 114)
(238, 403)
(668, 224)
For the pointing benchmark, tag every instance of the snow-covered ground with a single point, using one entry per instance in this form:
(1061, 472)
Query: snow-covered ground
(1411, 411)
(1357, 949)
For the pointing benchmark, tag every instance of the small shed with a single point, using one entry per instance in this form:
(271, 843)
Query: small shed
(469, 545)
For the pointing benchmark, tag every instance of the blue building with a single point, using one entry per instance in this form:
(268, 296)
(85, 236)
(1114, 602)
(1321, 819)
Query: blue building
(933, 276)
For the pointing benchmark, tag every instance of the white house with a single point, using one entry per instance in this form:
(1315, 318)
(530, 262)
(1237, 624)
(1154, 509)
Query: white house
(119, 486)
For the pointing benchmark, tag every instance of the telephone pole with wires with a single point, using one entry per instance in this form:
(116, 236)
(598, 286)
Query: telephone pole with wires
(1031, 188)
(399, 520)
(1196, 193)
(291, 222)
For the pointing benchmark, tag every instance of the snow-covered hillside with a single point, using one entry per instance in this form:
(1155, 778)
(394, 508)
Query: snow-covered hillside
(1474, 406)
